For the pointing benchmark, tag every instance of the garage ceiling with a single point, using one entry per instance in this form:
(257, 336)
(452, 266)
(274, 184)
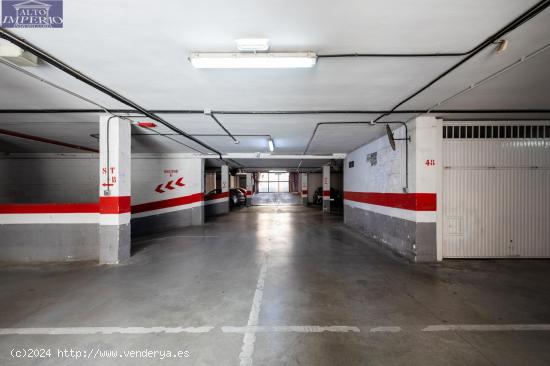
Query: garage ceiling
(143, 52)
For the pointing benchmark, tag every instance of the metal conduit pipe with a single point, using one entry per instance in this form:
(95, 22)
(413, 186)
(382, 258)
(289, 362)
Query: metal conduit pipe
(290, 112)
(22, 43)
(406, 139)
(213, 116)
(529, 14)
(394, 55)
(493, 75)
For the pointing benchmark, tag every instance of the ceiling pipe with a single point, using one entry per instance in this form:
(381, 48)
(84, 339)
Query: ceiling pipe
(494, 75)
(395, 55)
(527, 15)
(46, 140)
(295, 112)
(95, 135)
(213, 116)
(22, 43)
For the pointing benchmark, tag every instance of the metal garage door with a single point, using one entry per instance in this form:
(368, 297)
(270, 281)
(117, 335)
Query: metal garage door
(496, 190)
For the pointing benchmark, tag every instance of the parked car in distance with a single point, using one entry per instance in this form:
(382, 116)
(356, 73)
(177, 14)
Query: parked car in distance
(212, 193)
(244, 192)
(236, 197)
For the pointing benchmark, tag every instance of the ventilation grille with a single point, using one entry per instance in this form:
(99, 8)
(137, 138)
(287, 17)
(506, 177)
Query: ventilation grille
(496, 132)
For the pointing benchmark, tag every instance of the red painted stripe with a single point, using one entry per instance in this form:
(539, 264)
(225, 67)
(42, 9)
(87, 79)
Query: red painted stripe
(114, 204)
(249, 193)
(406, 201)
(171, 202)
(326, 193)
(217, 196)
(46, 208)
(304, 191)
(45, 140)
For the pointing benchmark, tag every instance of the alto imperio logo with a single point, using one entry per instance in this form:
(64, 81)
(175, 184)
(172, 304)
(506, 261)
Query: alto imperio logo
(32, 14)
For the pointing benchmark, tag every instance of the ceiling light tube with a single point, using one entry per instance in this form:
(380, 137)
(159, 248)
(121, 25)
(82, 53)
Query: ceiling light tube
(271, 145)
(16, 55)
(252, 44)
(253, 60)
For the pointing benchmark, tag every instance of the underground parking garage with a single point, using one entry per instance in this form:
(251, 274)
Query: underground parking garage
(353, 183)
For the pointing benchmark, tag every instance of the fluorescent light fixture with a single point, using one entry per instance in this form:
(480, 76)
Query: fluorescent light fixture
(271, 145)
(253, 60)
(16, 55)
(252, 44)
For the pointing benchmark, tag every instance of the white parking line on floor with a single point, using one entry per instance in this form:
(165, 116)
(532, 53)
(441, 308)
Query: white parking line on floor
(250, 330)
(187, 236)
(486, 327)
(250, 337)
(102, 330)
(291, 329)
(385, 329)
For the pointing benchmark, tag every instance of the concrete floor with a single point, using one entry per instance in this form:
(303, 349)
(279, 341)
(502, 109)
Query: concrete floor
(276, 199)
(311, 291)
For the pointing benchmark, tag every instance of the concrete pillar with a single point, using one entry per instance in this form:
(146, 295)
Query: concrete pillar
(114, 189)
(303, 180)
(197, 216)
(326, 188)
(427, 177)
(248, 189)
(225, 186)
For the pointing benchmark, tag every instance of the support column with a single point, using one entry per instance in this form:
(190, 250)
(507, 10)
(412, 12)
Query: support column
(225, 187)
(326, 188)
(248, 189)
(304, 188)
(198, 212)
(427, 177)
(114, 189)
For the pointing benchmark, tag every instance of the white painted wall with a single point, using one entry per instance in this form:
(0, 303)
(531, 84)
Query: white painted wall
(149, 173)
(49, 178)
(387, 176)
(64, 179)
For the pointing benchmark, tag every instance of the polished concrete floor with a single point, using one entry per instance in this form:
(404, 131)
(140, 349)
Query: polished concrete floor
(276, 286)
(276, 199)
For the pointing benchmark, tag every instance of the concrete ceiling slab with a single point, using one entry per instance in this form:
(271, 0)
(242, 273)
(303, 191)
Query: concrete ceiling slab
(149, 65)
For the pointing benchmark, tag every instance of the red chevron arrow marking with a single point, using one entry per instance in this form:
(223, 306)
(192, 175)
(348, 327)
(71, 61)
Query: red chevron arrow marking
(169, 185)
(179, 182)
